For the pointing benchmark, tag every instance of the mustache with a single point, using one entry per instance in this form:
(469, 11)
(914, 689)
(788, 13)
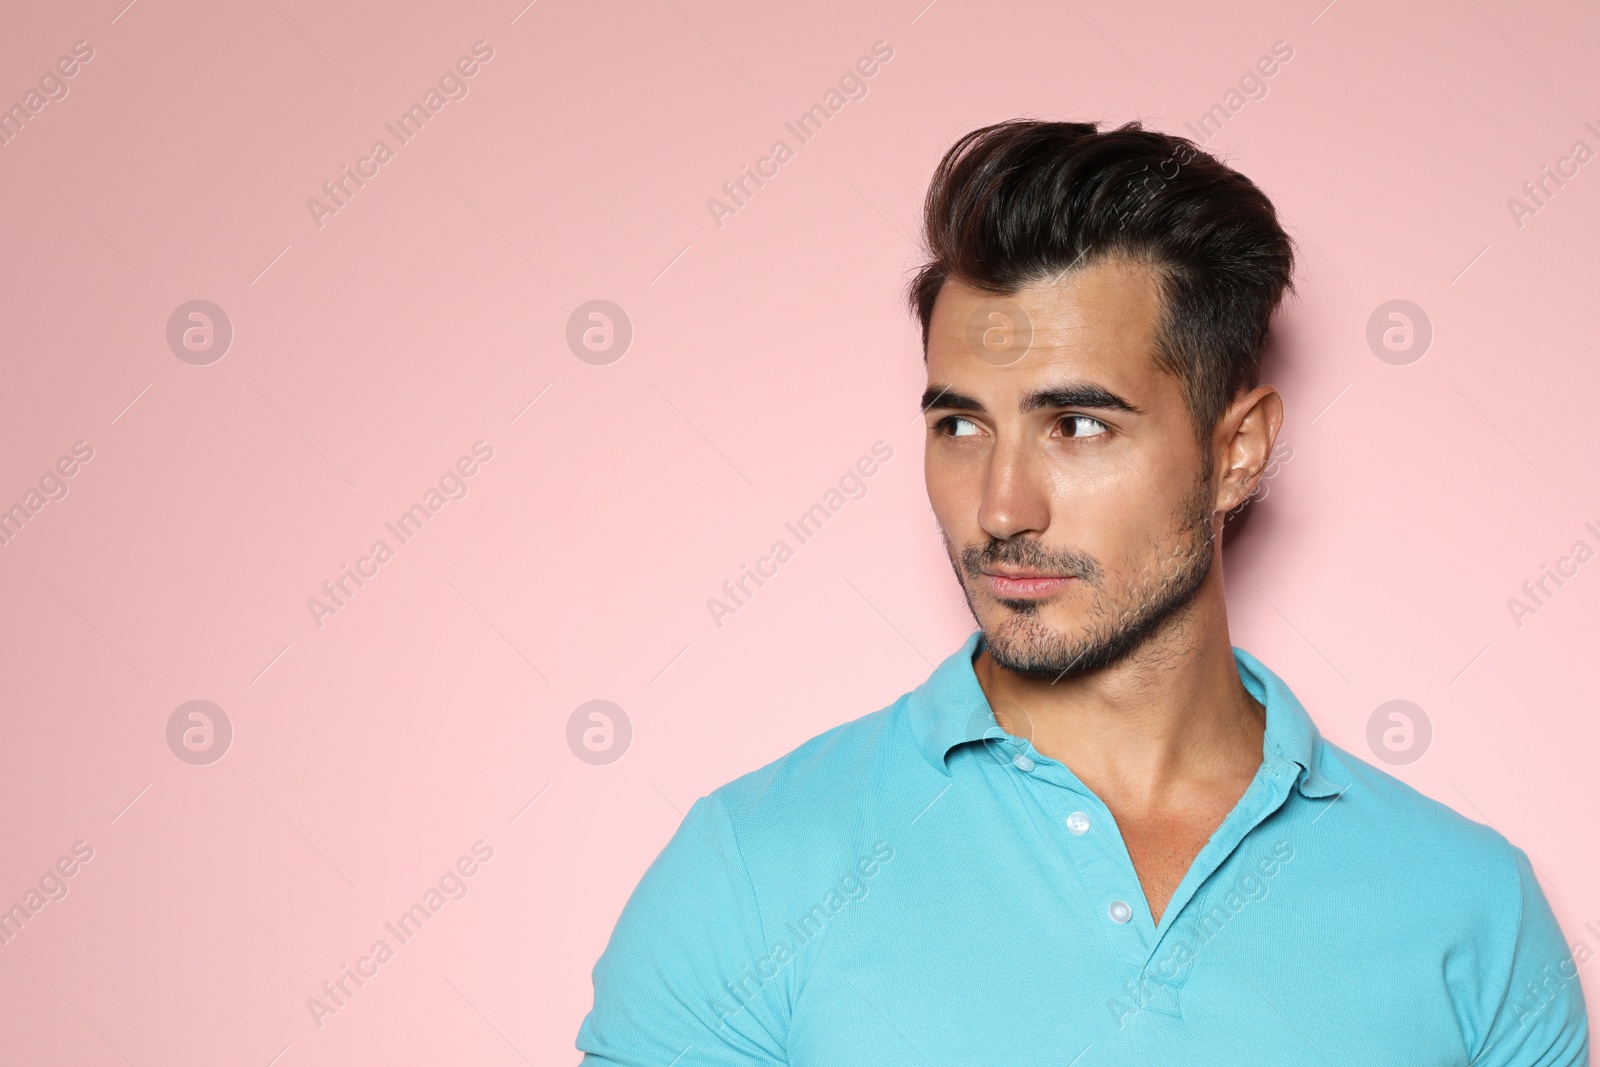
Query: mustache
(975, 559)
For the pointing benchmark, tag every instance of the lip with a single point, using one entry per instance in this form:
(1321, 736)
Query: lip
(1026, 586)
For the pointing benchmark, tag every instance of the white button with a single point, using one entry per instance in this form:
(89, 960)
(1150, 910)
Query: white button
(1078, 822)
(1119, 911)
(1022, 762)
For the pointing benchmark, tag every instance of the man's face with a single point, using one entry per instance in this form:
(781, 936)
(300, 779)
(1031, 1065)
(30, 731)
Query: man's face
(1075, 503)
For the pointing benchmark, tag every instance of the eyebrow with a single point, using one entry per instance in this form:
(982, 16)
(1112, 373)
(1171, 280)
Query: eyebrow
(1061, 395)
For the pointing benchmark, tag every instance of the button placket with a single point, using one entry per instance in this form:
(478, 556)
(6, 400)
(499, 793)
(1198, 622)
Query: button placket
(1110, 885)
(1266, 795)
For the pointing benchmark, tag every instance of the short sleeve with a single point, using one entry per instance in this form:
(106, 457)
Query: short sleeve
(687, 978)
(1541, 1021)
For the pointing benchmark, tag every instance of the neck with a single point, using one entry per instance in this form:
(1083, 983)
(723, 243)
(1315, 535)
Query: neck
(1170, 719)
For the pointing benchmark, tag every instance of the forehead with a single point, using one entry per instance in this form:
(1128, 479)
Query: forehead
(1097, 323)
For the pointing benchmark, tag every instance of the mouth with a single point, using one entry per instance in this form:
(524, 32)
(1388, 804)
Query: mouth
(1025, 585)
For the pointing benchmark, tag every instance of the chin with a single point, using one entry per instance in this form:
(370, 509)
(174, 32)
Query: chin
(1021, 632)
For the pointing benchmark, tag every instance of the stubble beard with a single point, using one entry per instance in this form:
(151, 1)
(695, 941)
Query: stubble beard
(1117, 623)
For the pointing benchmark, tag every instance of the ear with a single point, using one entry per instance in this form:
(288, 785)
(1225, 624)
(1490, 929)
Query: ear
(1243, 443)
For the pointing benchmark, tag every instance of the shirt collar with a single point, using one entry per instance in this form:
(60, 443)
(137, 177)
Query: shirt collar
(950, 709)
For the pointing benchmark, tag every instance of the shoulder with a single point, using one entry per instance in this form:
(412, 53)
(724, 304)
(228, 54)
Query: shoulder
(1421, 845)
(822, 810)
(831, 774)
(778, 843)
(1418, 887)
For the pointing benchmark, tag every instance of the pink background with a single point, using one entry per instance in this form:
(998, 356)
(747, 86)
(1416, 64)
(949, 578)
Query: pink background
(768, 354)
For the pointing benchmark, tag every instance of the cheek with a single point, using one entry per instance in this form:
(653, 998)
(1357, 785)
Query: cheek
(1128, 488)
(1112, 515)
(954, 489)
(1098, 499)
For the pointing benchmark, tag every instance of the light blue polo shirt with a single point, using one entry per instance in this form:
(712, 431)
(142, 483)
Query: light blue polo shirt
(918, 887)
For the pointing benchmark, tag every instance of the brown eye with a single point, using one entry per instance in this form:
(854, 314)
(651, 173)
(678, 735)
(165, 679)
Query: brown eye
(1083, 426)
(955, 426)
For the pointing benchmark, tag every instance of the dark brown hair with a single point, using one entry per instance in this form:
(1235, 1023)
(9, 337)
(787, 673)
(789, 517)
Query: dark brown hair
(1023, 201)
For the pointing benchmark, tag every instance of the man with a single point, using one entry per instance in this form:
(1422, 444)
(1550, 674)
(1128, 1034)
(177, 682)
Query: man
(1098, 833)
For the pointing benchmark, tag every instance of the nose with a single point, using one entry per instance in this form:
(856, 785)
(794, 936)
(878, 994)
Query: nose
(1015, 495)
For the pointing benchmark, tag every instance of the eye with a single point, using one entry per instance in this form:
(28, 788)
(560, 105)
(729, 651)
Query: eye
(1083, 426)
(955, 426)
